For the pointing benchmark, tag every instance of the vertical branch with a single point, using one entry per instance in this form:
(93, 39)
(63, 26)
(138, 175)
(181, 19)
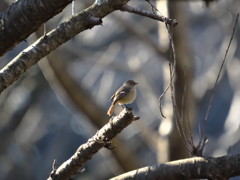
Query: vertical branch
(73, 7)
(184, 101)
(178, 117)
(203, 127)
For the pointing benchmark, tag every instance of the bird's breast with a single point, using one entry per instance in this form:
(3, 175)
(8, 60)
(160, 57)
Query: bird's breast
(129, 98)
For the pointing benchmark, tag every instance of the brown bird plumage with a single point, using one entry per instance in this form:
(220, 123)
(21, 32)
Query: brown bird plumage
(126, 94)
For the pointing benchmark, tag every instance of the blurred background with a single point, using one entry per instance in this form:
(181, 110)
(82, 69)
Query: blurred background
(62, 101)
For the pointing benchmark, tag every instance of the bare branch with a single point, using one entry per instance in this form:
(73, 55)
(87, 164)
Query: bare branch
(55, 71)
(220, 168)
(178, 114)
(141, 33)
(22, 14)
(149, 14)
(172, 68)
(64, 32)
(160, 100)
(101, 139)
(202, 132)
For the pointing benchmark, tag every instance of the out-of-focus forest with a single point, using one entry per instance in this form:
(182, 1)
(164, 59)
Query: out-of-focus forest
(62, 101)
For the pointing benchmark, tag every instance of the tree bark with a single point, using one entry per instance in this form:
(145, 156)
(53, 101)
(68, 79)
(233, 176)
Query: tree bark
(220, 168)
(65, 31)
(85, 152)
(24, 17)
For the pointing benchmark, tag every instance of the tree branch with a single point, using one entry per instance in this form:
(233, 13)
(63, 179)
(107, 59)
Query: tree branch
(65, 31)
(26, 13)
(55, 70)
(85, 152)
(149, 14)
(220, 168)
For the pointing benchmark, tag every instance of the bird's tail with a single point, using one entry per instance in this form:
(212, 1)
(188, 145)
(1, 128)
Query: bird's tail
(111, 108)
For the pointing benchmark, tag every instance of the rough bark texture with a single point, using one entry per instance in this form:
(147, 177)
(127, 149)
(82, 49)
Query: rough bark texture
(24, 17)
(220, 168)
(86, 151)
(65, 31)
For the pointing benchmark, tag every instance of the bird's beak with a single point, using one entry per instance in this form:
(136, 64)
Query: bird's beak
(135, 83)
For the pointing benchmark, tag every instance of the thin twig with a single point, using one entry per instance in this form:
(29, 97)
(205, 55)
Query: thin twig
(172, 68)
(188, 141)
(202, 130)
(44, 29)
(160, 100)
(53, 168)
(73, 7)
(173, 58)
(153, 7)
(186, 133)
(149, 14)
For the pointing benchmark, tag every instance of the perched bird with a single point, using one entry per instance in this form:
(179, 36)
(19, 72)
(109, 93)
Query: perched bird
(126, 94)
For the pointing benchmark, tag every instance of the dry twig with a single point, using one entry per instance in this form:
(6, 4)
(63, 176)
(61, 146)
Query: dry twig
(149, 14)
(203, 138)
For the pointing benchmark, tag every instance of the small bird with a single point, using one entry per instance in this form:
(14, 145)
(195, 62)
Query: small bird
(126, 94)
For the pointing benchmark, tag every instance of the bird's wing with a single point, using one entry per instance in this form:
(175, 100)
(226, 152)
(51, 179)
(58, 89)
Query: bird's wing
(112, 97)
(121, 93)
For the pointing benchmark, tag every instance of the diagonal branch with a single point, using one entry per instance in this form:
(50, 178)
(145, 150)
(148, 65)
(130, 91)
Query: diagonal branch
(55, 71)
(149, 14)
(26, 13)
(203, 127)
(65, 31)
(85, 152)
(220, 168)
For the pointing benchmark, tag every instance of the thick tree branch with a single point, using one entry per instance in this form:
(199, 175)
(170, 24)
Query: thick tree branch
(85, 152)
(26, 13)
(194, 168)
(64, 32)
